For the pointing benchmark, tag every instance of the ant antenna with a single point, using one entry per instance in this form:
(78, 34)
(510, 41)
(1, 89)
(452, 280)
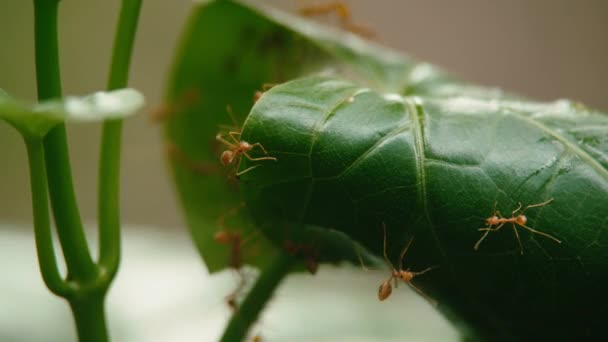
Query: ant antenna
(384, 245)
(404, 251)
(232, 117)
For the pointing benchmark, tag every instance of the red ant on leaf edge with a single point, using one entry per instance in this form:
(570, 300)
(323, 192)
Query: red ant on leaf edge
(386, 288)
(238, 148)
(342, 11)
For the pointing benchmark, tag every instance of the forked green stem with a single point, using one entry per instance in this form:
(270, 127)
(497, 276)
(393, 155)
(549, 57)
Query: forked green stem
(42, 224)
(109, 160)
(58, 169)
(86, 283)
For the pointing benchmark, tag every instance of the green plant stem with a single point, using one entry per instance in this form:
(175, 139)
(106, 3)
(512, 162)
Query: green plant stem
(59, 174)
(90, 318)
(109, 160)
(42, 225)
(257, 298)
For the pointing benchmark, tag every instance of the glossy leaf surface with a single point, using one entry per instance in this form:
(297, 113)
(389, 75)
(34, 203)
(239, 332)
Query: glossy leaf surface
(430, 165)
(229, 51)
(351, 159)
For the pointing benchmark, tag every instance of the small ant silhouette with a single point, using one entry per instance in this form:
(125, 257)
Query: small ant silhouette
(238, 148)
(257, 95)
(498, 220)
(308, 252)
(343, 13)
(185, 100)
(235, 260)
(386, 288)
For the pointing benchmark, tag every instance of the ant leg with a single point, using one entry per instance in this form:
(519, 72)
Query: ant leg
(232, 298)
(356, 249)
(488, 229)
(425, 270)
(540, 233)
(231, 114)
(492, 229)
(260, 158)
(268, 86)
(238, 174)
(521, 247)
(232, 135)
(337, 7)
(494, 211)
(260, 146)
(177, 155)
(222, 218)
(407, 246)
(537, 205)
(219, 138)
(516, 210)
(384, 246)
(420, 292)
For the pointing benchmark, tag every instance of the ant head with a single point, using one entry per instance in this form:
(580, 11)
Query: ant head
(385, 290)
(492, 221)
(227, 157)
(223, 237)
(521, 220)
(257, 96)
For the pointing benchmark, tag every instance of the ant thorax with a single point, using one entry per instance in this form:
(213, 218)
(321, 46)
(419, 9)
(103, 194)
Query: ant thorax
(406, 276)
(493, 221)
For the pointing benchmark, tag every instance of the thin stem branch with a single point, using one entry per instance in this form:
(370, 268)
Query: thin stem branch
(42, 225)
(109, 160)
(257, 298)
(59, 174)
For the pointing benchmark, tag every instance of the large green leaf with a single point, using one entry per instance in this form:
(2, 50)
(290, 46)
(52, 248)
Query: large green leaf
(350, 159)
(228, 51)
(430, 164)
(35, 120)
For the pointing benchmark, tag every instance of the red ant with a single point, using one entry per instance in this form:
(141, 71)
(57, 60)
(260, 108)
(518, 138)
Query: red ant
(343, 13)
(238, 148)
(309, 253)
(498, 220)
(235, 261)
(406, 275)
(259, 93)
(186, 99)
(176, 154)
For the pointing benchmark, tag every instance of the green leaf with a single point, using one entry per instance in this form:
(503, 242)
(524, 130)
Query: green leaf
(446, 151)
(351, 159)
(228, 51)
(35, 120)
